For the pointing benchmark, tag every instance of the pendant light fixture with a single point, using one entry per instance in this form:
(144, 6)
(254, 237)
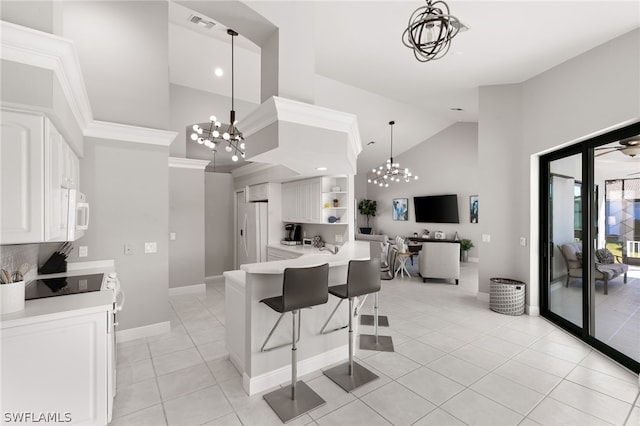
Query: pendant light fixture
(391, 172)
(430, 31)
(213, 136)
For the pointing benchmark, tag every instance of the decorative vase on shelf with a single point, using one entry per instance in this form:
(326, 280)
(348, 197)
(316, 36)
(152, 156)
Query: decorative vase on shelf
(335, 203)
(465, 255)
(11, 297)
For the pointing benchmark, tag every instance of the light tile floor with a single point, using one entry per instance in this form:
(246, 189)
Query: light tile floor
(456, 362)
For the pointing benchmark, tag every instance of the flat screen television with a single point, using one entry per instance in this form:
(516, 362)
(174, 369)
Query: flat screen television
(436, 208)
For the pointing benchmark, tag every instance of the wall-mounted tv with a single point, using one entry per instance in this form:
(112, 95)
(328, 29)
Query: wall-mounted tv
(436, 208)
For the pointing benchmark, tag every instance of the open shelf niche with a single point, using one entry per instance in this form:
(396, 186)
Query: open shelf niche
(335, 188)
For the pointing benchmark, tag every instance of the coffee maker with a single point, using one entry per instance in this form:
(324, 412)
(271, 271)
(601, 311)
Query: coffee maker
(293, 234)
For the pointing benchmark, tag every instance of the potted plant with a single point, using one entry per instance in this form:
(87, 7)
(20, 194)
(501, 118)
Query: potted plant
(367, 208)
(335, 202)
(465, 246)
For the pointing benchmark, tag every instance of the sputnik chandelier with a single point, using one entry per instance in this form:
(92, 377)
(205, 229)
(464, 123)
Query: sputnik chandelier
(391, 172)
(430, 31)
(212, 135)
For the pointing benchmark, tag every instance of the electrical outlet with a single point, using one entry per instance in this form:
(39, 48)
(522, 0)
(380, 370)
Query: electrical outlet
(486, 238)
(523, 241)
(128, 249)
(150, 247)
(338, 238)
(83, 251)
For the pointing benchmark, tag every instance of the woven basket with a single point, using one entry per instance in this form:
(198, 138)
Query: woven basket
(506, 296)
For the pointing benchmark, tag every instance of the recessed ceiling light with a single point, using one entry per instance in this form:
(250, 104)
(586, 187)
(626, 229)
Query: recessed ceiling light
(456, 109)
(219, 72)
(321, 168)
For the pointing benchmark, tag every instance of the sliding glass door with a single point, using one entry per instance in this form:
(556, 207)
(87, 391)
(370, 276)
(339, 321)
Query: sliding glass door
(590, 242)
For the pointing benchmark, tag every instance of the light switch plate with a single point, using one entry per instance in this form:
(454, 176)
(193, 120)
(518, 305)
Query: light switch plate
(150, 247)
(486, 238)
(83, 251)
(523, 241)
(172, 236)
(128, 249)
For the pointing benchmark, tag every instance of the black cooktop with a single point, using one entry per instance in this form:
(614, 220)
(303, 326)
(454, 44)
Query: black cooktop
(49, 287)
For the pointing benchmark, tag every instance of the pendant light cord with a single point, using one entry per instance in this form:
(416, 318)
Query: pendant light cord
(232, 72)
(391, 123)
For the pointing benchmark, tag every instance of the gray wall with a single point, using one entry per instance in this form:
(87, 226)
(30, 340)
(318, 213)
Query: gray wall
(447, 163)
(39, 15)
(123, 51)
(127, 187)
(587, 95)
(186, 219)
(219, 223)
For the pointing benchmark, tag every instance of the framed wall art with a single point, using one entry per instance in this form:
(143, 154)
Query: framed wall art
(473, 209)
(400, 209)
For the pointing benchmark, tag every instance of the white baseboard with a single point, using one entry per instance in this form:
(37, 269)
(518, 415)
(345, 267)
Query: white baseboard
(483, 297)
(533, 311)
(144, 331)
(188, 289)
(257, 384)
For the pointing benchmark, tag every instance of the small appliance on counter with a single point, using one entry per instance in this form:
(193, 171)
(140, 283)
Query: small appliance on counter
(293, 235)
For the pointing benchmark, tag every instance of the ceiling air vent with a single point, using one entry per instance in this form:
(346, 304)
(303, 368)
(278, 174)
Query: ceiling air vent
(202, 23)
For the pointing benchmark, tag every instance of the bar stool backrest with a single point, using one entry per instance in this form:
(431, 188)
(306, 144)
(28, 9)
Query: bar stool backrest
(363, 277)
(304, 287)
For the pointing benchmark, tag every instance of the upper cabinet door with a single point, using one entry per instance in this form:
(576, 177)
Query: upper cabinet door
(22, 178)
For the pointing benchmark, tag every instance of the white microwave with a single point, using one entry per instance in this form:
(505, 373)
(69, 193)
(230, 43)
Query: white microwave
(77, 214)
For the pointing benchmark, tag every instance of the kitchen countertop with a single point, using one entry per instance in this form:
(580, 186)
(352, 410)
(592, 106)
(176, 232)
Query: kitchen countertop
(57, 307)
(351, 250)
(297, 249)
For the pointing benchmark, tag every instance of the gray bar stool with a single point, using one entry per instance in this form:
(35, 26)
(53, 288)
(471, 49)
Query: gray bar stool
(301, 288)
(363, 277)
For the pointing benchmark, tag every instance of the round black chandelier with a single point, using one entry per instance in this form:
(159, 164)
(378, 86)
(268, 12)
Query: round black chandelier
(213, 134)
(430, 31)
(391, 172)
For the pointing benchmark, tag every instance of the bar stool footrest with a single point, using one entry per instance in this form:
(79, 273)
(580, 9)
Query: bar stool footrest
(384, 344)
(340, 376)
(383, 320)
(288, 409)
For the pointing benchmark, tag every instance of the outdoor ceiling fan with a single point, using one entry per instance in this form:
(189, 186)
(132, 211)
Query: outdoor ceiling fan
(629, 146)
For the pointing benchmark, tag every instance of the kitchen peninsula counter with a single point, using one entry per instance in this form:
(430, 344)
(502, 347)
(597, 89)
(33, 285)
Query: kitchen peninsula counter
(248, 321)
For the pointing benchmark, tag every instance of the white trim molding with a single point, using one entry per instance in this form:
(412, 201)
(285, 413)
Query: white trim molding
(128, 133)
(188, 163)
(43, 50)
(144, 331)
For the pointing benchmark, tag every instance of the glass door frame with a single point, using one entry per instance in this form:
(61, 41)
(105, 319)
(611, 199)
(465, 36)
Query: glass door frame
(589, 236)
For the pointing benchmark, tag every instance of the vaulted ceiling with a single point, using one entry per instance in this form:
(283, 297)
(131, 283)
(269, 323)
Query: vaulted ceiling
(358, 43)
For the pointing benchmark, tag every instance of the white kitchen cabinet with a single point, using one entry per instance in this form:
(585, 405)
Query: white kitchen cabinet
(36, 167)
(302, 201)
(259, 192)
(22, 160)
(290, 202)
(58, 366)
